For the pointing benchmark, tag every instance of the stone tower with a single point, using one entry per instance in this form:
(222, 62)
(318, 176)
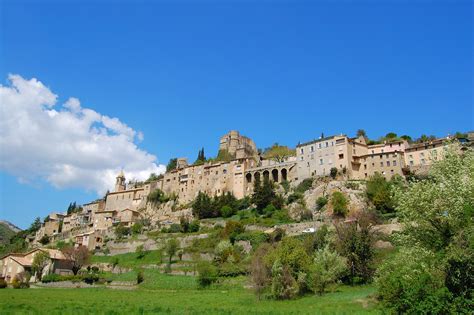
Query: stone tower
(237, 145)
(120, 182)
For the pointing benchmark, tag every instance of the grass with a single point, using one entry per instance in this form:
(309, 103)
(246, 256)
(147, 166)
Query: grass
(130, 260)
(179, 295)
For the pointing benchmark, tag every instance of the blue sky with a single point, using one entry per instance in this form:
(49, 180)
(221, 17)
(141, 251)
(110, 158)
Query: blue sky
(184, 73)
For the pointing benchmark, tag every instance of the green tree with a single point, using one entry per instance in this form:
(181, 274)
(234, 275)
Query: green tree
(356, 242)
(379, 192)
(40, 262)
(207, 273)
(339, 204)
(436, 242)
(35, 226)
(278, 153)
(203, 207)
(172, 164)
(333, 172)
(327, 267)
(201, 158)
(171, 248)
(361, 133)
(44, 240)
(264, 194)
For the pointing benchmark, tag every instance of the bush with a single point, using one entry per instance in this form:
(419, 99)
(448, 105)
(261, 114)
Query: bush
(140, 277)
(194, 226)
(3, 284)
(207, 274)
(174, 228)
(232, 229)
(321, 202)
(121, 231)
(255, 238)
(227, 211)
(137, 228)
(327, 267)
(339, 204)
(305, 185)
(333, 172)
(268, 211)
(44, 240)
(412, 283)
(296, 196)
(140, 251)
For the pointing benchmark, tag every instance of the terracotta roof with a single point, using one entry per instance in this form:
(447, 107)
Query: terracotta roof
(22, 260)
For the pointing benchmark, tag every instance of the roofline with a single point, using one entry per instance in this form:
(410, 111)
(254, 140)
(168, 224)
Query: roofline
(319, 140)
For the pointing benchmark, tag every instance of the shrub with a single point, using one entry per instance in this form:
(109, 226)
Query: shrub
(227, 211)
(286, 185)
(3, 284)
(121, 231)
(339, 204)
(333, 172)
(321, 202)
(327, 267)
(174, 228)
(379, 193)
(284, 285)
(137, 228)
(194, 226)
(296, 196)
(140, 251)
(232, 229)
(305, 185)
(268, 210)
(255, 238)
(140, 277)
(352, 185)
(223, 250)
(412, 283)
(207, 274)
(44, 240)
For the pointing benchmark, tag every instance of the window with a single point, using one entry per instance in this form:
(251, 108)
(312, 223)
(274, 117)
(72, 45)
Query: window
(301, 151)
(365, 166)
(411, 156)
(373, 151)
(373, 164)
(302, 158)
(381, 164)
(365, 174)
(308, 164)
(422, 161)
(388, 163)
(320, 161)
(341, 156)
(312, 149)
(319, 145)
(422, 154)
(411, 163)
(381, 155)
(391, 171)
(382, 150)
(312, 156)
(394, 163)
(327, 144)
(224, 171)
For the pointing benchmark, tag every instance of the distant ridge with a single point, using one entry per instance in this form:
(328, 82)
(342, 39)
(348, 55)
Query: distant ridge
(7, 230)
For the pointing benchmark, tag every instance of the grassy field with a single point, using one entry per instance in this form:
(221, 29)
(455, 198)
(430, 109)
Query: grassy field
(164, 294)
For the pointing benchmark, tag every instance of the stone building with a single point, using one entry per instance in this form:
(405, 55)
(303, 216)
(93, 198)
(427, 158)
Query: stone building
(237, 145)
(15, 264)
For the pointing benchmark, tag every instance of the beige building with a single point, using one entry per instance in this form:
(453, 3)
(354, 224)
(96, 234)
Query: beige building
(420, 155)
(14, 264)
(128, 217)
(91, 240)
(104, 219)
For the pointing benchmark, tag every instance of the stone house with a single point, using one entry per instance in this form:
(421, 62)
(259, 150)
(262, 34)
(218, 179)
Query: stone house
(14, 264)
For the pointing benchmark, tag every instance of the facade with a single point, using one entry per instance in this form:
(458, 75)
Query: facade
(317, 157)
(424, 154)
(13, 265)
(92, 240)
(104, 219)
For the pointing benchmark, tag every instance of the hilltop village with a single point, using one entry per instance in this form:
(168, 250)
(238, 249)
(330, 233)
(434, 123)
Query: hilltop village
(234, 171)
(168, 199)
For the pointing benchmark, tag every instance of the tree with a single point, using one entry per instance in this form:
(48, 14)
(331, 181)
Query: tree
(379, 192)
(78, 256)
(327, 267)
(263, 195)
(201, 158)
(203, 207)
(436, 242)
(171, 248)
(333, 172)
(207, 273)
(172, 164)
(339, 204)
(140, 251)
(278, 153)
(40, 262)
(35, 226)
(361, 133)
(391, 136)
(259, 271)
(406, 138)
(356, 241)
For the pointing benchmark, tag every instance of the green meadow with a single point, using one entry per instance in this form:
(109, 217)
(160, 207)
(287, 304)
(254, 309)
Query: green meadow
(166, 294)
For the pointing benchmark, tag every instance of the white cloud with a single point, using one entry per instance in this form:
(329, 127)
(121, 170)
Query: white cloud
(68, 145)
